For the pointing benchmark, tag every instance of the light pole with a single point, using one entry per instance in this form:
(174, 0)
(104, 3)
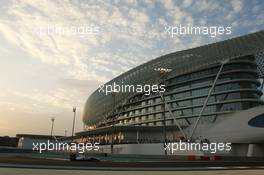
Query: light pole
(52, 124)
(73, 122)
(65, 131)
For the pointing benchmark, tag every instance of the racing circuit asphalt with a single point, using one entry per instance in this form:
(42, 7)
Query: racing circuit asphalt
(27, 161)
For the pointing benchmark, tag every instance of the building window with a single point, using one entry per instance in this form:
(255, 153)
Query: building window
(158, 116)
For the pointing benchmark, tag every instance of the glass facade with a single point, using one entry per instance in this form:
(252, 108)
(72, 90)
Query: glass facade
(235, 90)
(187, 86)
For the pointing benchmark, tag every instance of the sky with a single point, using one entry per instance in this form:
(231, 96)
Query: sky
(45, 72)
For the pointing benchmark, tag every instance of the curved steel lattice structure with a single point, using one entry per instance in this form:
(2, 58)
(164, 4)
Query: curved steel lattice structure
(187, 85)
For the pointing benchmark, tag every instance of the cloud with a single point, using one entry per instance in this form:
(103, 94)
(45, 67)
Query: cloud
(125, 22)
(187, 3)
(237, 5)
(75, 54)
(13, 106)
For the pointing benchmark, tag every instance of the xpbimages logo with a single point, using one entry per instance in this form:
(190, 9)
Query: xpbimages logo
(212, 31)
(61, 146)
(193, 146)
(123, 88)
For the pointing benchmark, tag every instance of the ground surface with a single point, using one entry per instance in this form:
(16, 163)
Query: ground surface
(29, 161)
(17, 171)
